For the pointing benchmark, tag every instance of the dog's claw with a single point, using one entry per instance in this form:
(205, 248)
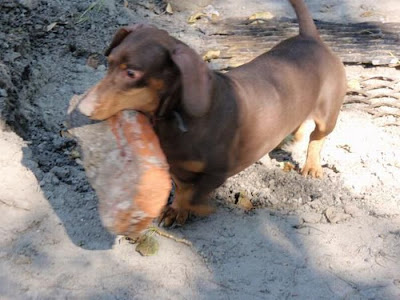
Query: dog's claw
(171, 216)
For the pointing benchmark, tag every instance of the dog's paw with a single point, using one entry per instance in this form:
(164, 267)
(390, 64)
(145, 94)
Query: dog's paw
(315, 171)
(170, 216)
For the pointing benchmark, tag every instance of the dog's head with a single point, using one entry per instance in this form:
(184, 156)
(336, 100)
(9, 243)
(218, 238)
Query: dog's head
(144, 63)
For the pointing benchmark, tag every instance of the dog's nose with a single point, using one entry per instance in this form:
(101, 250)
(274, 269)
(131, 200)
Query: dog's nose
(76, 119)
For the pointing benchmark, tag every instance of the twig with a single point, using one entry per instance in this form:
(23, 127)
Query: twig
(82, 17)
(378, 86)
(169, 236)
(363, 101)
(392, 105)
(392, 124)
(356, 93)
(378, 77)
(387, 114)
(382, 95)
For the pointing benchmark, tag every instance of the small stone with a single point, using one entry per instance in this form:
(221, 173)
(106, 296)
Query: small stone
(93, 61)
(315, 204)
(311, 217)
(273, 201)
(81, 68)
(3, 93)
(101, 68)
(122, 21)
(353, 210)
(334, 216)
(55, 180)
(272, 184)
(29, 4)
(60, 172)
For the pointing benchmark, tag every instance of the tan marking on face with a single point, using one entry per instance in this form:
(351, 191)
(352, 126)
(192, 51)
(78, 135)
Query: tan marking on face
(157, 84)
(195, 166)
(103, 102)
(123, 66)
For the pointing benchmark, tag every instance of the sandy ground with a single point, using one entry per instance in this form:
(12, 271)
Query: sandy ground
(336, 238)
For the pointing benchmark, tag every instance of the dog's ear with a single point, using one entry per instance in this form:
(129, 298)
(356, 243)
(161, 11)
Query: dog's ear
(121, 34)
(196, 80)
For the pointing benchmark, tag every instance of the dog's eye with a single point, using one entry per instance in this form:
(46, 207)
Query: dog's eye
(131, 73)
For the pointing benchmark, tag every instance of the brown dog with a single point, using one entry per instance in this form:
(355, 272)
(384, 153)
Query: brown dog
(212, 125)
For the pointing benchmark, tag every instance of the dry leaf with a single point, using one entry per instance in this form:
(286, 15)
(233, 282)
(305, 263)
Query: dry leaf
(259, 16)
(345, 147)
(287, 166)
(147, 245)
(354, 84)
(66, 134)
(244, 201)
(367, 14)
(126, 3)
(75, 154)
(168, 9)
(193, 18)
(211, 54)
(93, 61)
(51, 26)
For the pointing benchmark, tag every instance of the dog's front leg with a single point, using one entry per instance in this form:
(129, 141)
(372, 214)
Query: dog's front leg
(190, 198)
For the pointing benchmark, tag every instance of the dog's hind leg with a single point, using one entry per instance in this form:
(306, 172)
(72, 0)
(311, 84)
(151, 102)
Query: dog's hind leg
(324, 125)
(312, 166)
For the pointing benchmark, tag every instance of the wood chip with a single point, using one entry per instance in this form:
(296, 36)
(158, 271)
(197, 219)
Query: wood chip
(193, 18)
(260, 17)
(244, 201)
(169, 9)
(211, 54)
(51, 26)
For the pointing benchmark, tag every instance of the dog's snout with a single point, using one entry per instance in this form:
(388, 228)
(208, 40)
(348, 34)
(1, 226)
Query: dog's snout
(88, 103)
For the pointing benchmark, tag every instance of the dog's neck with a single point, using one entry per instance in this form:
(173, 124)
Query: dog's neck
(168, 101)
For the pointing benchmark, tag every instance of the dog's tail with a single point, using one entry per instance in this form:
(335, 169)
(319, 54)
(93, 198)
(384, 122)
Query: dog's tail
(306, 23)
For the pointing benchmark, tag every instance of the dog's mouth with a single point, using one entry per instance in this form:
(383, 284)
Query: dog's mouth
(75, 118)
